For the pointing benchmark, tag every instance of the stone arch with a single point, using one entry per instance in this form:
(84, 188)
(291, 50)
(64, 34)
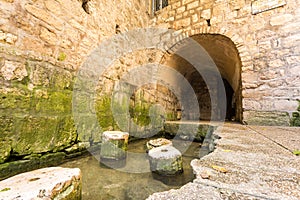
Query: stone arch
(226, 56)
(243, 52)
(229, 56)
(235, 37)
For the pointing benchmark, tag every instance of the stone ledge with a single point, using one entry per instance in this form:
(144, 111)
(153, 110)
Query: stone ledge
(47, 183)
(245, 165)
(266, 118)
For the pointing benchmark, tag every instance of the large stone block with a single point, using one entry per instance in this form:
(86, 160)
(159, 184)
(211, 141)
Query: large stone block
(188, 130)
(42, 134)
(44, 16)
(16, 98)
(114, 145)
(281, 19)
(48, 183)
(182, 23)
(165, 160)
(265, 118)
(13, 70)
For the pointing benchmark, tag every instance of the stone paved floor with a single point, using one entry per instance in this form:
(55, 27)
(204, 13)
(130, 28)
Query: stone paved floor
(259, 164)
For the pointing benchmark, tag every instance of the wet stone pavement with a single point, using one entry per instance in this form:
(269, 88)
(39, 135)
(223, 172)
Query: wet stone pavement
(249, 162)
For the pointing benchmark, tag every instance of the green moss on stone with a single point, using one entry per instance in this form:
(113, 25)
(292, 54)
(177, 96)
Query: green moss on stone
(104, 113)
(266, 118)
(5, 150)
(295, 120)
(52, 159)
(6, 126)
(42, 134)
(170, 116)
(61, 79)
(140, 114)
(31, 163)
(296, 152)
(52, 102)
(61, 56)
(18, 99)
(5, 189)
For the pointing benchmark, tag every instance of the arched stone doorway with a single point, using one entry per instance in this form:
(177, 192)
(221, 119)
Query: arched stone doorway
(226, 57)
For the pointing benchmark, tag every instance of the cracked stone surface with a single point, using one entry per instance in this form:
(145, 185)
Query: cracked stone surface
(257, 161)
(47, 183)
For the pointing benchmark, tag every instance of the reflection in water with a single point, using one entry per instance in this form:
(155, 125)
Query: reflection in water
(102, 182)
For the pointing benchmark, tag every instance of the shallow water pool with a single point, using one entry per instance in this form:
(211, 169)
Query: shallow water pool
(101, 182)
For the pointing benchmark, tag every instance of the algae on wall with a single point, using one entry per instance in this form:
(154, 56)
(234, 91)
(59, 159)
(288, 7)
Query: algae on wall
(129, 112)
(295, 121)
(36, 108)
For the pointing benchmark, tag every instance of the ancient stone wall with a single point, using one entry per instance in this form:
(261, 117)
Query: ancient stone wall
(131, 99)
(42, 46)
(267, 43)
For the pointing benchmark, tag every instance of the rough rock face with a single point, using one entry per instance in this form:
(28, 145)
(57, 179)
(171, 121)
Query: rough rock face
(47, 183)
(165, 160)
(41, 52)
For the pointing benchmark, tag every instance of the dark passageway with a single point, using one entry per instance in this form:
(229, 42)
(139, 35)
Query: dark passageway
(225, 56)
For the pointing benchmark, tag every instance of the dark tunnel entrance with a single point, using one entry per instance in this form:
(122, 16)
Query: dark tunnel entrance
(225, 55)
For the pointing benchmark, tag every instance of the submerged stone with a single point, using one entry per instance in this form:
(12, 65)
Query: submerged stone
(114, 145)
(188, 130)
(165, 160)
(157, 143)
(47, 183)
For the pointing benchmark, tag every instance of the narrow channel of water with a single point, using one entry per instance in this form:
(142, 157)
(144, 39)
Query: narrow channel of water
(100, 182)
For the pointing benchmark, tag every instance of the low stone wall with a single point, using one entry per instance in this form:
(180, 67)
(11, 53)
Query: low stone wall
(186, 130)
(35, 161)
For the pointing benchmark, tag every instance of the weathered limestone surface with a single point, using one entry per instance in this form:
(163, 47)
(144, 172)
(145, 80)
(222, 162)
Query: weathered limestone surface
(43, 45)
(267, 44)
(114, 145)
(165, 160)
(250, 162)
(189, 130)
(158, 143)
(126, 101)
(41, 50)
(47, 183)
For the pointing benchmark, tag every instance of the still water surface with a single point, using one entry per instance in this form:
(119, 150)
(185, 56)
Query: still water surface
(100, 182)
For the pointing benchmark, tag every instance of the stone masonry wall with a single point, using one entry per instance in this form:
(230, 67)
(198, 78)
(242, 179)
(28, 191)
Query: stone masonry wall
(268, 44)
(42, 45)
(135, 105)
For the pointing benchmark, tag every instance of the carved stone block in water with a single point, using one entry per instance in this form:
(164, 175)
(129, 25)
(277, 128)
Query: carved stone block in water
(158, 143)
(114, 145)
(165, 160)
